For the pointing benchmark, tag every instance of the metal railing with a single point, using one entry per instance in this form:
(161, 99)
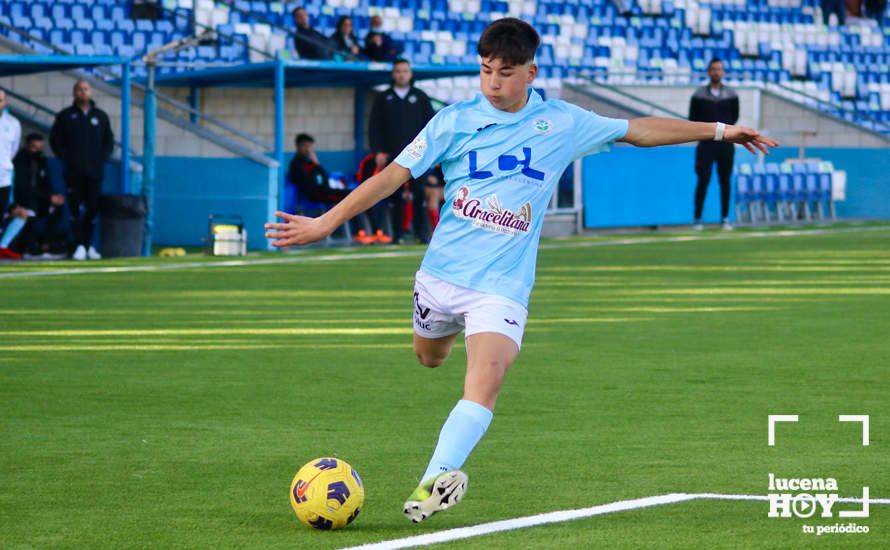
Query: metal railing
(255, 150)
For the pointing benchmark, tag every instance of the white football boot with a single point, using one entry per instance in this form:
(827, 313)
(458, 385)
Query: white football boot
(440, 493)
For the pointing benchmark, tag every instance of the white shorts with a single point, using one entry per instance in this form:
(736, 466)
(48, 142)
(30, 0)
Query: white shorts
(442, 309)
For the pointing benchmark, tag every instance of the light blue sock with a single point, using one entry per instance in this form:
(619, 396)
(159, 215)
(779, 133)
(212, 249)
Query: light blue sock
(464, 428)
(13, 229)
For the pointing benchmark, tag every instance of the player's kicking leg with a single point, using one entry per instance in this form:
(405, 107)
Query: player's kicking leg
(489, 355)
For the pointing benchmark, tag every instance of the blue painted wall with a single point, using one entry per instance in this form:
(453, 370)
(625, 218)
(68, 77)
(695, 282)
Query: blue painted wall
(188, 190)
(630, 186)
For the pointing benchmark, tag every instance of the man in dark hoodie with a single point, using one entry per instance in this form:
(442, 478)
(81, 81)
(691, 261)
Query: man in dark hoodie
(398, 115)
(34, 196)
(81, 137)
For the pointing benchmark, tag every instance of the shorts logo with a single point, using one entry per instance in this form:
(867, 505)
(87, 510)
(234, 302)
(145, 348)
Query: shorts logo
(416, 148)
(493, 218)
(511, 322)
(542, 126)
(420, 314)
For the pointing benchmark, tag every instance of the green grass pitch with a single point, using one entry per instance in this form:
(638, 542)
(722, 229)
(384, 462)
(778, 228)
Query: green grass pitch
(171, 408)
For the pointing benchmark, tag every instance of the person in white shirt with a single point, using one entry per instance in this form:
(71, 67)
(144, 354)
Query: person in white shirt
(10, 136)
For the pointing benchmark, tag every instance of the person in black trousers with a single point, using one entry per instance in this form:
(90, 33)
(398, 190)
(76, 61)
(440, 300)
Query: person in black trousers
(714, 102)
(81, 138)
(398, 115)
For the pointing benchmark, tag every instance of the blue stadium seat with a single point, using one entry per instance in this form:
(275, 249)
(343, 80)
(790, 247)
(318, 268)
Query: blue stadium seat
(78, 13)
(118, 13)
(125, 25)
(137, 39)
(58, 37)
(18, 9)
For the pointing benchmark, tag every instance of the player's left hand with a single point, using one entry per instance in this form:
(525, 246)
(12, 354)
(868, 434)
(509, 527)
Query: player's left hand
(295, 230)
(748, 138)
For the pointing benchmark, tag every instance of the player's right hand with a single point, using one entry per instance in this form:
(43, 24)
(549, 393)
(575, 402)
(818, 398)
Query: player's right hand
(295, 230)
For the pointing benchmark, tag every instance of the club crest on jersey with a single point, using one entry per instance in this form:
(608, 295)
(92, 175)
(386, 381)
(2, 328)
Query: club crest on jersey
(416, 148)
(492, 216)
(542, 126)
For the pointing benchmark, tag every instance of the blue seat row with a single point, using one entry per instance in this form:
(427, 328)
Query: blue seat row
(783, 190)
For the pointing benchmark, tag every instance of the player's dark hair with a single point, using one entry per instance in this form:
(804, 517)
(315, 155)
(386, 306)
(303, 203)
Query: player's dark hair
(511, 40)
(714, 60)
(301, 138)
(33, 137)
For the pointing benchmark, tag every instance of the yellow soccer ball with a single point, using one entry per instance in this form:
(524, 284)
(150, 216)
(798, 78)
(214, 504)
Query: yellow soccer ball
(327, 493)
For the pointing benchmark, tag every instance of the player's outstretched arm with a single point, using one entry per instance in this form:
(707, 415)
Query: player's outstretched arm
(297, 230)
(653, 131)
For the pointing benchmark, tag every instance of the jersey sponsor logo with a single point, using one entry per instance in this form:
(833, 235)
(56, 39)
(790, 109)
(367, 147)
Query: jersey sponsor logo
(416, 148)
(542, 125)
(506, 163)
(491, 216)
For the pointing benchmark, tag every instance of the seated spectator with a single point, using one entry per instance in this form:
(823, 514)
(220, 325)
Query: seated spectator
(378, 44)
(344, 40)
(310, 177)
(837, 7)
(309, 43)
(33, 194)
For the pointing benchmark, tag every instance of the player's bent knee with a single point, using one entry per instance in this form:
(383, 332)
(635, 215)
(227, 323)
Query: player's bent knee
(430, 360)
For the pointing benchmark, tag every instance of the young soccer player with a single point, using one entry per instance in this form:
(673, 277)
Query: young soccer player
(502, 154)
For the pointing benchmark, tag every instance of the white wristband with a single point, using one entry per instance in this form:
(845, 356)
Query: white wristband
(718, 133)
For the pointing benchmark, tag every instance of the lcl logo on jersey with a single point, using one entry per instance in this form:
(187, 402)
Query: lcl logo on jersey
(506, 163)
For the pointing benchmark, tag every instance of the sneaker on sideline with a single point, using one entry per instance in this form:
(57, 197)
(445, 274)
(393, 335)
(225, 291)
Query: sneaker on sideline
(363, 238)
(381, 237)
(80, 253)
(93, 254)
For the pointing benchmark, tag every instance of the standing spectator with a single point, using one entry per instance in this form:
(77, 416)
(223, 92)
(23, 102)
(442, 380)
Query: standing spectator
(398, 115)
(10, 135)
(379, 46)
(714, 102)
(35, 196)
(367, 169)
(81, 137)
(344, 39)
(309, 43)
(837, 7)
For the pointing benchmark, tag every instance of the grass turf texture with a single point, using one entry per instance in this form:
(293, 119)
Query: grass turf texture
(172, 408)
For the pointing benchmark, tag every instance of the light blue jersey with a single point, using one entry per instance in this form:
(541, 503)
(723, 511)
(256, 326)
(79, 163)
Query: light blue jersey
(500, 172)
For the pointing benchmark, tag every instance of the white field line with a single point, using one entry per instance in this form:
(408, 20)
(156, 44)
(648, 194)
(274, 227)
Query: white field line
(415, 253)
(449, 535)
